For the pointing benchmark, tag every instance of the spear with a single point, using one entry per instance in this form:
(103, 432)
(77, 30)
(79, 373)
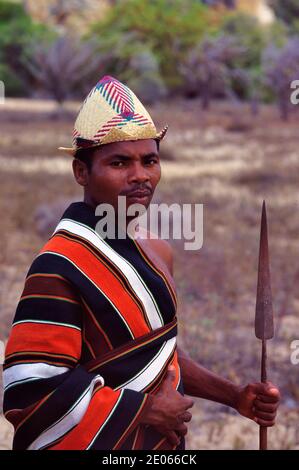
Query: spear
(263, 313)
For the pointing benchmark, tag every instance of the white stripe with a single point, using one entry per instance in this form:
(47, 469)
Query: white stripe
(128, 270)
(47, 323)
(152, 370)
(30, 371)
(69, 420)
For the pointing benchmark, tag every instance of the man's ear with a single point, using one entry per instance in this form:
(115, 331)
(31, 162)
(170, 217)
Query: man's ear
(80, 171)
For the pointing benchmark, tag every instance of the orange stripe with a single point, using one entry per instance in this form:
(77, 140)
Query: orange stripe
(98, 273)
(175, 363)
(98, 411)
(40, 353)
(46, 338)
(48, 296)
(57, 276)
(164, 444)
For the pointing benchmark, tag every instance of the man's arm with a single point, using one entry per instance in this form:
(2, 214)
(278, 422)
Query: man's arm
(256, 401)
(202, 383)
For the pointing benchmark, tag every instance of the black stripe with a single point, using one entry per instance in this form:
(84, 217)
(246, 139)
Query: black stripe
(40, 356)
(26, 394)
(54, 310)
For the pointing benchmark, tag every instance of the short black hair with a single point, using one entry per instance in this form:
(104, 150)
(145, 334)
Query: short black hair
(86, 154)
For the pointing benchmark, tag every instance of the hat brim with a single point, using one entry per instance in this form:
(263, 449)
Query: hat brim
(72, 150)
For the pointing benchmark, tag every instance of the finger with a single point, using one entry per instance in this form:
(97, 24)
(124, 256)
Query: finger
(265, 416)
(173, 438)
(268, 398)
(184, 417)
(181, 429)
(268, 390)
(271, 390)
(188, 403)
(271, 385)
(264, 389)
(262, 422)
(268, 407)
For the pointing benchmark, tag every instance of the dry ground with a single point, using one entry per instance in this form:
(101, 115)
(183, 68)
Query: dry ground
(225, 159)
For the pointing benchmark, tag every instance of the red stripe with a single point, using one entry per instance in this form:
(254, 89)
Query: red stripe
(123, 93)
(31, 337)
(120, 94)
(100, 407)
(103, 278)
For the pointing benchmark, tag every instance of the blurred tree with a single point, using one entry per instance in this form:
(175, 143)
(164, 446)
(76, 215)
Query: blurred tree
(65, 15)
(209, 68)
(156, 25)
(249, 34)
(281, 67)
(64, 69)
(253, 37)
(227, 3)
(136, 64)
(144, 77)
(17, 32)
(286, 10)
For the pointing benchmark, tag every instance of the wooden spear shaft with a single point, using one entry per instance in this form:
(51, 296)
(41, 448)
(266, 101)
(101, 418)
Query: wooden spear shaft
(263, 429)
(263, 313)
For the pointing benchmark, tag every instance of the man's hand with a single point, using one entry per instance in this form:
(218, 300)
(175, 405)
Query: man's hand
(259, 402)
(168, 411)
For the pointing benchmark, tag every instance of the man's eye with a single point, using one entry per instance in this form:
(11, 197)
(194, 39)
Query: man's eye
(117, 164)
(152, 161)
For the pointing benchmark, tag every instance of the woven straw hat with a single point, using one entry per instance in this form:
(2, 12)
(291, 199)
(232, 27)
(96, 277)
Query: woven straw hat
(111, 113)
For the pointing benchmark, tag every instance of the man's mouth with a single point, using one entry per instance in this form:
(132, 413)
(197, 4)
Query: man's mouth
(139, 195)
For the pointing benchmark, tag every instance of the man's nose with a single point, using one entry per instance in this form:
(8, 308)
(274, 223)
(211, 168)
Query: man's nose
(138, 174)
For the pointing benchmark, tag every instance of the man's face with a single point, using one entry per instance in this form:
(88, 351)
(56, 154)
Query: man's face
(119, 169)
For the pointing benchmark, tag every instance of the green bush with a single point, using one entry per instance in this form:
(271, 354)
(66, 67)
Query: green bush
(287, 11)
(17, 34)
(166, 28)
(13, 85)
(254, 38)
(249, 34)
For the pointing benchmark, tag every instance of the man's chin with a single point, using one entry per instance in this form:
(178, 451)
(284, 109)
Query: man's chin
(143, 201)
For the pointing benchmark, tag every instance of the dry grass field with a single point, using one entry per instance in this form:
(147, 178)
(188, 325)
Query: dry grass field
(225, 159)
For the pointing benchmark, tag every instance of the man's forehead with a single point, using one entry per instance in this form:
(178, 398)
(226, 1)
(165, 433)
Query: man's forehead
(130, 147)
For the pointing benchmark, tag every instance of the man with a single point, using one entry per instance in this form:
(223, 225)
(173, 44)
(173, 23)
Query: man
(92, 360)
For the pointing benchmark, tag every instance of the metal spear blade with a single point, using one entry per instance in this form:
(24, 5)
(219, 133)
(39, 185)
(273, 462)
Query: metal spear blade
(264, 328)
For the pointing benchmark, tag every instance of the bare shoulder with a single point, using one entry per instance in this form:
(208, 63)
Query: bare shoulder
(158, 246)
